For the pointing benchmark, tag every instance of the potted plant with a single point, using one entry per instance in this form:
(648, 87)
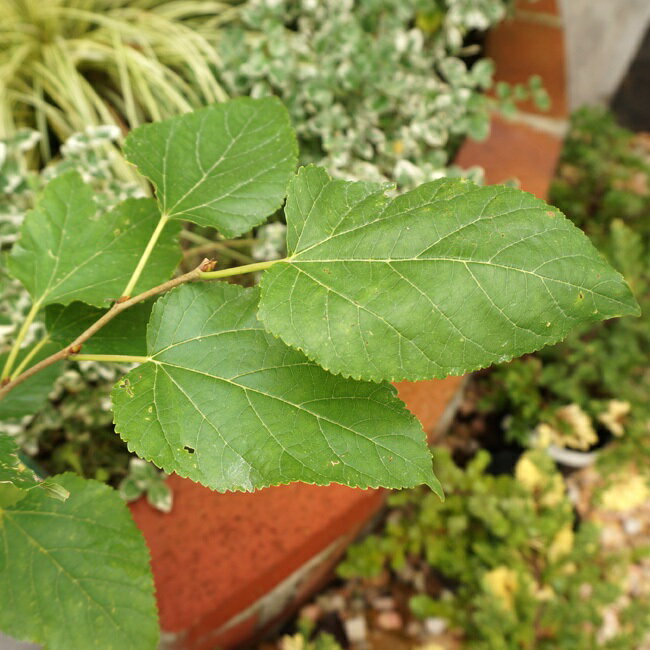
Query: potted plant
(241, 388)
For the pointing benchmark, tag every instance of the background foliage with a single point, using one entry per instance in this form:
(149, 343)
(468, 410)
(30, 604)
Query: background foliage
(382, 90)
(67, 65)
(513, 571)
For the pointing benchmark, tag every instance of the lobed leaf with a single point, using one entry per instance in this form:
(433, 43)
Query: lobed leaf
(67, 251)
(125, 334)
(442, 280)
(76, 570)
(225, 166)
(228, 405)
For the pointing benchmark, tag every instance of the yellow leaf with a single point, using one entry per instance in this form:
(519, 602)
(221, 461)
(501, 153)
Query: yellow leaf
(562, 544)
(628, 493)
(503, 583)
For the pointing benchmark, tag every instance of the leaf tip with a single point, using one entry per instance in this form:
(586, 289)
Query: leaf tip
(436, 488)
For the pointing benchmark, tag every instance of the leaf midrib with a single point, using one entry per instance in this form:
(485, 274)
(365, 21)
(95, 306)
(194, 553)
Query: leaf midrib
(400, 215)
(205, 175)
(296, 262)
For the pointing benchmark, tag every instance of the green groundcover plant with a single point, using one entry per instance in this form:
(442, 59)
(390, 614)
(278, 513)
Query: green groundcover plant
(516, 571)
(240, 388)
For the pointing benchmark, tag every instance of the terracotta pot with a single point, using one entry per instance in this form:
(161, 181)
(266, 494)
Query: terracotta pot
(228, 566)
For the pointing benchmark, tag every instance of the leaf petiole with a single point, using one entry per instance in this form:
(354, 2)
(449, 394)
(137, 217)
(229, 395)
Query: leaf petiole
(199, 239)
(239, 270)
(29, 356)
(226, 251)
(15, 348)
(72, 349)
(109, 358)
(162, 222)
(116, 309)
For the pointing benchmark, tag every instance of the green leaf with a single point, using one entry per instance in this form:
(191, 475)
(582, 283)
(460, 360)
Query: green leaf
(75, 574)
(16, 478)
(12, 469)
(125, 334)
(67, 251)
(440, 281)
(27, 398)
(225, 166)
(228, 405)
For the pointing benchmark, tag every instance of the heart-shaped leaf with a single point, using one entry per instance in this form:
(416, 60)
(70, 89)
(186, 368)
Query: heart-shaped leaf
(225, 166)
(228, 405)
(442, 280)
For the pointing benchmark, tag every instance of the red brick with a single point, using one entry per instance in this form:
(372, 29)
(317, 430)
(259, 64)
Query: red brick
(232, 637)
(216, 554)
(515, 150)
(311, 583)
(539, 6)
(522, 48)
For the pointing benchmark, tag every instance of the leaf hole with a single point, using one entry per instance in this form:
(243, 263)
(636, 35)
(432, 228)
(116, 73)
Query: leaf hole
(188, 449)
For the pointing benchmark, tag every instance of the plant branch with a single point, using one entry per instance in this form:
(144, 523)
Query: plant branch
(128, 290)
(202, 272)
(115, 310)
(15, 348)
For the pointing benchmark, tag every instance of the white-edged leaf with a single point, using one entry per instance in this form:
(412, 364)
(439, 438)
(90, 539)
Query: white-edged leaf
(16, 479)
(12, 470)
